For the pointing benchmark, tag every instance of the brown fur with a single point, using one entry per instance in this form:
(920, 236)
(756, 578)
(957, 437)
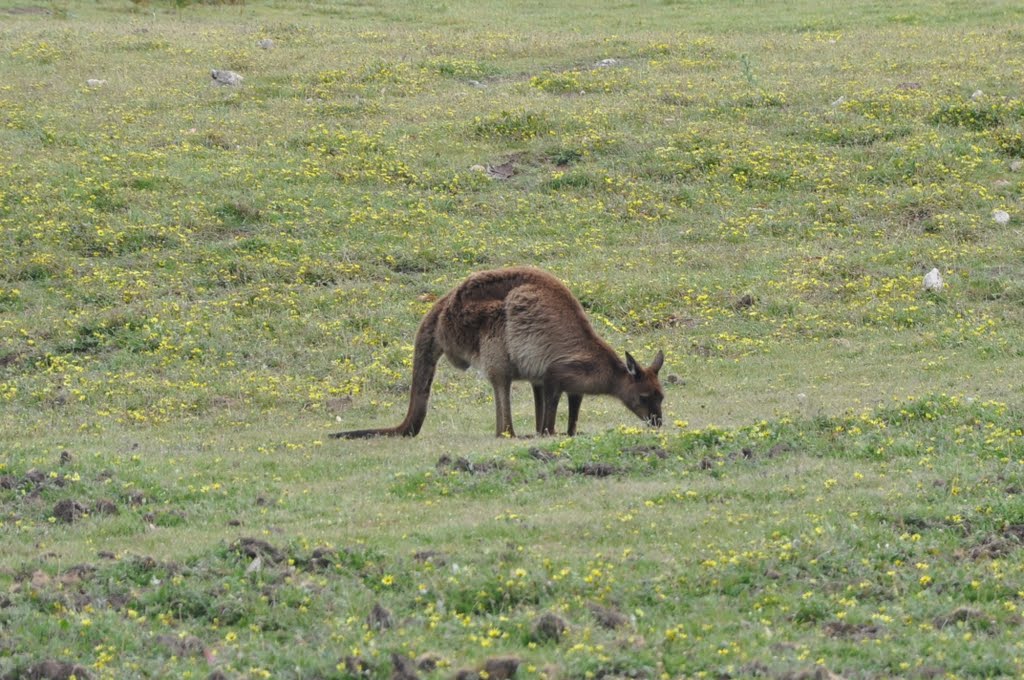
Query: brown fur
(522, 323)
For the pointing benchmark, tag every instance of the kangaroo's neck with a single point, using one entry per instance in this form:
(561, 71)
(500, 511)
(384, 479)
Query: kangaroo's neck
(618, 377)
(597, 371)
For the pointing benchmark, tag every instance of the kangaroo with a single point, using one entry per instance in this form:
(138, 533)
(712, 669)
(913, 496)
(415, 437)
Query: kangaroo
(522, 323)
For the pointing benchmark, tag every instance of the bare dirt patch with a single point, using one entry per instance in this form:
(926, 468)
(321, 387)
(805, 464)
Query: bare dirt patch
(26, 10)
(968, 616)
(549, 627)
(186, 646)
(608, 617)
(379, 618)
(852, 631)
(51, 669)
(996, 545)
(69, 510)
(254, 547)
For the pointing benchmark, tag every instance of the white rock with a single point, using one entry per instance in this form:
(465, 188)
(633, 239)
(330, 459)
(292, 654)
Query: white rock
(96, 82)
(933, 281)
(230, 78)
(605, 63)
(978, 94)
(1016, 165)
(266, 44)
(839, 102)
(1001, 217)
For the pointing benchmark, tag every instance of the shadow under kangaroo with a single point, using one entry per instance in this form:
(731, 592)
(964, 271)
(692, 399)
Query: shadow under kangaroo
(522, 323)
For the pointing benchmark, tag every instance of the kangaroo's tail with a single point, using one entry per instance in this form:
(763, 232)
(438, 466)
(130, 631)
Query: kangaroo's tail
(425, 357)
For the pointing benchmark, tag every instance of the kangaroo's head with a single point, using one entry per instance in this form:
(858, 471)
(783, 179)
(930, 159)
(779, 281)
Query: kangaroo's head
(643, 394)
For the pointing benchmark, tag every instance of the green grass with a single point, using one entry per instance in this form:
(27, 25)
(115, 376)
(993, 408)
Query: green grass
(199, 283)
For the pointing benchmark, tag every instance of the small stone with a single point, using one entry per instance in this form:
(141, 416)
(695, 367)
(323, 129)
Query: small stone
(266, 44)
(933, 281)
(226, 78)
(255, 566)
(1017, 165)
(1001, 217)
(96, 82)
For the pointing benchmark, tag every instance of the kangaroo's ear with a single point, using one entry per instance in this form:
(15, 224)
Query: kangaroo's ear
(658, 362)
(631, 366)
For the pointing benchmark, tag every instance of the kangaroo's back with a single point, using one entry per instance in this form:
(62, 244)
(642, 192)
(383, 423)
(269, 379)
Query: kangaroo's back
(528, 311)
(545, 324)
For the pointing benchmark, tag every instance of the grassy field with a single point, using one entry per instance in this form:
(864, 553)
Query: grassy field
(200, 282)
